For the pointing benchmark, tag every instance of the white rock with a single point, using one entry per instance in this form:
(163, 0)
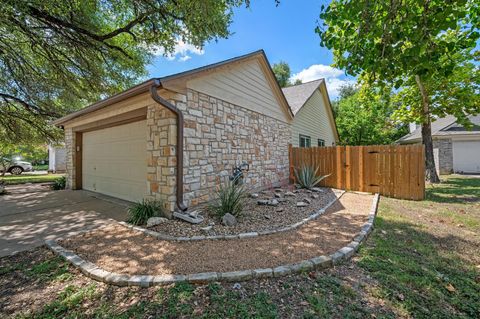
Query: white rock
(254, 195)
(278, 195)
(315, 196)
(153, 221)
(317, 189)
(229, 220)
(290, 194)
(273, 202)
(263, 202)
(308, 200)
(301, 204)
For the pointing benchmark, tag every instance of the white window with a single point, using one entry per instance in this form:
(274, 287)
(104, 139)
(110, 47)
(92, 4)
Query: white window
(305, 141)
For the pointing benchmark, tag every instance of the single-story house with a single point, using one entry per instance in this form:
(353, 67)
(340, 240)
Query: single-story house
(456, 148)
(218, 116)
(57, 158)
(314, 123)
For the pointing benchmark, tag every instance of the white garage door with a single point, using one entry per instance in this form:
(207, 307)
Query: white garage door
(115, 161)
(466, 156)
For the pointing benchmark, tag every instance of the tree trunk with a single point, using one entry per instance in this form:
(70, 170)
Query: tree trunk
(430, 171)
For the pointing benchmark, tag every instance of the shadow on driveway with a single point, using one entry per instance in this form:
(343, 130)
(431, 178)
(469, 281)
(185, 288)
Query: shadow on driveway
(30, 214)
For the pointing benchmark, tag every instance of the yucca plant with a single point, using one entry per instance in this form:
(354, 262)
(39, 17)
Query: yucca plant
(307, 176)
(230, 198)
(140, 212)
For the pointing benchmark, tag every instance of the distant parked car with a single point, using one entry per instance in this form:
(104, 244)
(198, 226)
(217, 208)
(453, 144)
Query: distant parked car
(17, 167)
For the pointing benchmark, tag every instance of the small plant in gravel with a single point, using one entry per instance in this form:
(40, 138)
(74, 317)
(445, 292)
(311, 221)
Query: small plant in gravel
(230, 198)
(59, 183)
(307, 176)
(140, 212)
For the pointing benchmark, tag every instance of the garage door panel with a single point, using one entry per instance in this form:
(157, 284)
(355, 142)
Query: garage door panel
(115, 161)
(466, 156)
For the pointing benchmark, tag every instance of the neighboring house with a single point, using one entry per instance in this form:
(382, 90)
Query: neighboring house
(313, 124)
(233, 111)
(455, 148)
(57, 158)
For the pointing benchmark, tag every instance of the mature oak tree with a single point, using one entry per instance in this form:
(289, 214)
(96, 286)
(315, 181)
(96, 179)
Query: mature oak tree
(409, 44)
(56, 56)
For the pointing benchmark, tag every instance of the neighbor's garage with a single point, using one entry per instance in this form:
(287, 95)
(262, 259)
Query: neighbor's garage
(114, 161)
(466, 156)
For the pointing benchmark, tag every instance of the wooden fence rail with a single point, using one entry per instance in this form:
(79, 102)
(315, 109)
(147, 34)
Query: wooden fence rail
(392, 170)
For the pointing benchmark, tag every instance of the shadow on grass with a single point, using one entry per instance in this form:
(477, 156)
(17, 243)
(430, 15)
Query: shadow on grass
(455, 190)
(423, 275)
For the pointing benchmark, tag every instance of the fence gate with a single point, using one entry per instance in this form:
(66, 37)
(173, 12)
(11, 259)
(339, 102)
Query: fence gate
(391, 170)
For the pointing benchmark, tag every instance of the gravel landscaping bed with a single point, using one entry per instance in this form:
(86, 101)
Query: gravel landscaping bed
(256, 218)
(118, 249)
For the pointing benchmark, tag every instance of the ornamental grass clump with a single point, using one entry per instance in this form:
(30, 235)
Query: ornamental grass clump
(60, 183)
(230, 198)
(140, 212)
(307, 177)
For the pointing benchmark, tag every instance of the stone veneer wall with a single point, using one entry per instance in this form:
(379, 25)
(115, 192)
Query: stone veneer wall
(218, 135)
(70, 157)
(443, 153)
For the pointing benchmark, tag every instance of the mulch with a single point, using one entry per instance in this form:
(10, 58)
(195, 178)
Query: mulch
(118, 249)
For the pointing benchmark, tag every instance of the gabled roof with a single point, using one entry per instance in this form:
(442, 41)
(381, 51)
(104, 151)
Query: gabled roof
(445, 126)
(298, 95)
(169, 82)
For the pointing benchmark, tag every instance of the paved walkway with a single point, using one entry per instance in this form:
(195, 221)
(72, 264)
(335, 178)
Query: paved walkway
(32, 213)
(118, 249)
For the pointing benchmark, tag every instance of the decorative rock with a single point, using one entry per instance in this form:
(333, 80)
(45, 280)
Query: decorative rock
(317, 189)
(314, 196)
(301, 204)
(267, 216)
(308, 191)
(321, 262)
(240, 275)
(263, 202)
(153, 221)
(208, 228)
(282, 200)
(202, 277)
(279, 210)
(307, 200)
(236, 286)
(290, 194)
(254, 195)
(281, 271)
(273, 202)
(229, 220)
(278, 190)
(263, 273)
(278, 195)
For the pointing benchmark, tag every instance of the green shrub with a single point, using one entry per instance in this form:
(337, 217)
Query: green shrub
(140, 212)
(307, 176)
(230, 198)
(59, 183)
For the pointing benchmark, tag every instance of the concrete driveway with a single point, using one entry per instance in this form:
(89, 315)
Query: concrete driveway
(30, 214)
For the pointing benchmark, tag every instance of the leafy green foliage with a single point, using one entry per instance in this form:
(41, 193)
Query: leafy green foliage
(306, 176)
(140, 212)
(282, 73)
(59, 56)
(230, 198)
(60, 183)
(413, 45)
(365, 117)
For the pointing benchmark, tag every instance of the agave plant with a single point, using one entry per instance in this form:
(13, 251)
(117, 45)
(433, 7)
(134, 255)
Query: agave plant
(230, 198)
(140, 212)
(307, 176)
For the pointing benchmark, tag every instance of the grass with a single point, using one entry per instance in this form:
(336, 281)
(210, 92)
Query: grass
(421, 261)
(425, 254)
(25, 178)
(42, 167)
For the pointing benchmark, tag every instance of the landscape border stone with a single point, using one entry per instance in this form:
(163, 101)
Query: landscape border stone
(164, 236)
(319, 262)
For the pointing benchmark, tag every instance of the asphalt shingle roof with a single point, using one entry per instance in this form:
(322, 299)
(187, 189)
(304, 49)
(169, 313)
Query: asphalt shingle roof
(297, 95)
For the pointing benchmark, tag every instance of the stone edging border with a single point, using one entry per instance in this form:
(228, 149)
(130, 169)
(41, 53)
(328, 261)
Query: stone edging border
(163, 236)
(320, 262)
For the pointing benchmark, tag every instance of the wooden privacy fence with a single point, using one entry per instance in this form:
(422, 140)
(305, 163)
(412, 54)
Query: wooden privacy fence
(392, 170)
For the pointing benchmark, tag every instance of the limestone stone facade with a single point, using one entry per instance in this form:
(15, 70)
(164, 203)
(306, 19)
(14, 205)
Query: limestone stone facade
(443, 154)
(218, 135)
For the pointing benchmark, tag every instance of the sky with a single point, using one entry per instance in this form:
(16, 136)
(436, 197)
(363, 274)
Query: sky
(285, 33)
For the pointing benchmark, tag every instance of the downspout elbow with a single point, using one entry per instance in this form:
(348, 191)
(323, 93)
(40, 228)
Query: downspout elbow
(179, 153)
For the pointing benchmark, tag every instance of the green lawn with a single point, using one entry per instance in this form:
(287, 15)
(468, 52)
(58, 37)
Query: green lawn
(30, 178)
(42, 167)
(421, 261)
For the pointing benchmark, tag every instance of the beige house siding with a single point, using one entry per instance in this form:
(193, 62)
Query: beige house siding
(242, 84)
(314, 120)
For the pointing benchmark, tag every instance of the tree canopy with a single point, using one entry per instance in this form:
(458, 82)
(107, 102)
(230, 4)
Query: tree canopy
(56, 56)
(282, 73)
(413, 46)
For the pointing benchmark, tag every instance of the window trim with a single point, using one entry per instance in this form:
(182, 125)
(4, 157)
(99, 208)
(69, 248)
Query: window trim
(306, 138)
